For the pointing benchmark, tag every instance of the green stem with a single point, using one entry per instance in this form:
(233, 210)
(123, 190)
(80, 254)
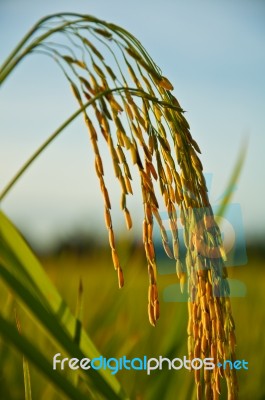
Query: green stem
(230, 187)
(16, 56)
(27, 37)
(14, 59)
(65, 124)
(20, 45)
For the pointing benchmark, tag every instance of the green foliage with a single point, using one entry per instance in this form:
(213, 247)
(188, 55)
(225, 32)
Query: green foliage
(22, 272)
(116, 322)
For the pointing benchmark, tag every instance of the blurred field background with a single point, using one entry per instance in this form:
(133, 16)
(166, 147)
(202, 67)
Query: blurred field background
(117, 322)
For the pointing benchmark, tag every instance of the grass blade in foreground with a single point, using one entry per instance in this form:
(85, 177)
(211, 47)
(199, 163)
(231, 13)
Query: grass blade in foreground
(51, 310)
(10, 333)
(26, 373)
(27, 379)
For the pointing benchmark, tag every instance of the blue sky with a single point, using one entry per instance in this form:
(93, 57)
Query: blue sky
(214, 54)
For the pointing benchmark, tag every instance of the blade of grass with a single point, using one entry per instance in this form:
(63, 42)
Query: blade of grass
(26, 374)
(52, 311)
(10, 333)
(51, 324)
(79, 311)
(232, 181)
(27, 383)
(78, 315)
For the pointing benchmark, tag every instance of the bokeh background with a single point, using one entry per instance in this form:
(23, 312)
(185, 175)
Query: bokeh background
(213, 53)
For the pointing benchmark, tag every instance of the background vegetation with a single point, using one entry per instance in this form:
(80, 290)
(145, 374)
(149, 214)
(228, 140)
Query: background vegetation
(117, 322)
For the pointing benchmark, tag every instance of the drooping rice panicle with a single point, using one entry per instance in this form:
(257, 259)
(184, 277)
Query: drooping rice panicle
(140, 120)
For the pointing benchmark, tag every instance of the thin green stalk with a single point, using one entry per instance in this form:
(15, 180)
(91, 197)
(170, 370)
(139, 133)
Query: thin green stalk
(65, 124)
(9, 332)
(25, 39)
(14, 58)
(13, 61)
(234, 176)
(27, 383)
(20, 45)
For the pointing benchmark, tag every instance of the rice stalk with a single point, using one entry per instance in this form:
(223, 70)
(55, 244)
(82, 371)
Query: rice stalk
(26, 372)
(135, 111)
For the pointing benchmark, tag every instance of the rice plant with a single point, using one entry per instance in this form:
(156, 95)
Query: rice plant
(129, 106)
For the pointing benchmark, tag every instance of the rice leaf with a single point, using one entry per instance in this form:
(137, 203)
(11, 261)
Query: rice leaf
(26, 374)
(44, 301)
(27, 383)
(10, 333)
(234, 176)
